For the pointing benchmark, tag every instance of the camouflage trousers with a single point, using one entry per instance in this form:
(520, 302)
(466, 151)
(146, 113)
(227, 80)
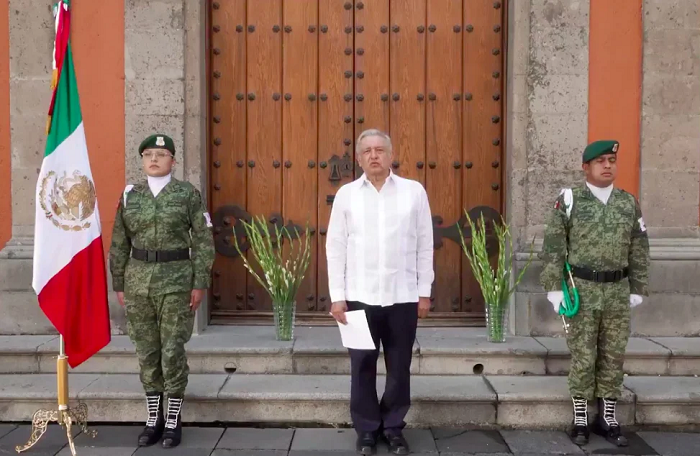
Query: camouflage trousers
(159, 327)
(597, 341)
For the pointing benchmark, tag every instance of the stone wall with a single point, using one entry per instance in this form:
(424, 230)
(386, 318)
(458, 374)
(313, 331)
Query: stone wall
(548, 128)
(165, 91)
(671, 117)
(31, 43)
(670, 178)
(547, 120)
(154, 52)
(165, 81)
(31, 35)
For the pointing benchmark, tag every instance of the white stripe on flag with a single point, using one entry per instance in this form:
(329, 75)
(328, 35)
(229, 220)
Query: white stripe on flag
(54, 247)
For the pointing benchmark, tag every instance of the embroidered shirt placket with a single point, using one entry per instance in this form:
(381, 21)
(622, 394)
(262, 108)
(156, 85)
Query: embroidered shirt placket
(381, 229)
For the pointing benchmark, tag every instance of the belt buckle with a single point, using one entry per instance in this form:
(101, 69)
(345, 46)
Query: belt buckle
(151, 256)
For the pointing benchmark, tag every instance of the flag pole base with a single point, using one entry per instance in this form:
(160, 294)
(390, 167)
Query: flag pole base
(65, 416)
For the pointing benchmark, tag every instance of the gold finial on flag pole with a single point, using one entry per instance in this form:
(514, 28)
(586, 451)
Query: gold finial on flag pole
(64, 415)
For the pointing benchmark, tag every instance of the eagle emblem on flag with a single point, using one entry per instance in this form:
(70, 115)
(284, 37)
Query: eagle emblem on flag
(68, 201)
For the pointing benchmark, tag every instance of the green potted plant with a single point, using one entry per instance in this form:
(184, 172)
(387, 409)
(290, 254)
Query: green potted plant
(495, 285)
(283, 272)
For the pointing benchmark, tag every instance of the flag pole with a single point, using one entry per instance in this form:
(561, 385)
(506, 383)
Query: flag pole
(64, 414)
(62, 375)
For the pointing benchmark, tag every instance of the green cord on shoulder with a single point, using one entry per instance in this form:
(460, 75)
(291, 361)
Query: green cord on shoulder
(569, 307)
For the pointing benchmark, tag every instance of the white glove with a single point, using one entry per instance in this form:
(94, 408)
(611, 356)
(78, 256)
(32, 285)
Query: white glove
(635, 300)
(556, 298)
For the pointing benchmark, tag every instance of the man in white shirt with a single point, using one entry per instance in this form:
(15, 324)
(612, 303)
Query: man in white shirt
(379, 249)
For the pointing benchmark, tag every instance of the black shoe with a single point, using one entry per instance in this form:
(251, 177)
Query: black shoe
(397, 443)
(154, 425)
(366, 443)
(173, 425)
(579, 429)
(580, 435)
(606, 424)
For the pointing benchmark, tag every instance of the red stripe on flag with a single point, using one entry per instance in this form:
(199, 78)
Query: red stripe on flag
(75, 301)
(61, 44)
(62, 36)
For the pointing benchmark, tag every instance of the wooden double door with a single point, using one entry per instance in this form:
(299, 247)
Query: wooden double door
(292, 83)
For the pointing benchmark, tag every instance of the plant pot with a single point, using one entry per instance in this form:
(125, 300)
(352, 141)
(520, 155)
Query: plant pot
(496, 322)
(284, 315)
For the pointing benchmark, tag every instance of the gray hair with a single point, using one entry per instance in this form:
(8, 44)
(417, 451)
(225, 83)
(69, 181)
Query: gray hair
(372, 132)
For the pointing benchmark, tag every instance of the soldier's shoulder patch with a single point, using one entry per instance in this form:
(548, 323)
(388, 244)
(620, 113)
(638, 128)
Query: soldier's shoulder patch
(642, 226)
(127, 189)
(566, 197)
(207, 217)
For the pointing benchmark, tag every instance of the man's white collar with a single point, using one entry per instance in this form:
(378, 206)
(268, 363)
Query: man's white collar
(365, 179)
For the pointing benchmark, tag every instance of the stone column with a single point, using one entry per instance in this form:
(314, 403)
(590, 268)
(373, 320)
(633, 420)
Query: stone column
(548, 131)
(195, 133)
(670, 176)
(671, 118)
(557, 83)
(31, 44)
(516, 141)
(154, 52)
(165, 87)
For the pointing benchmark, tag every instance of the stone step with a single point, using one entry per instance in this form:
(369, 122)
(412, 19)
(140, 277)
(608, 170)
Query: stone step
(317, 350)
(532, 402)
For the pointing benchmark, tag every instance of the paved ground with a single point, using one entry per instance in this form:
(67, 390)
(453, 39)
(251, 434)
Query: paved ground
(119, 441)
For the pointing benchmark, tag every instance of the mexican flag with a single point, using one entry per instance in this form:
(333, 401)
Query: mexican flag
(69, 266)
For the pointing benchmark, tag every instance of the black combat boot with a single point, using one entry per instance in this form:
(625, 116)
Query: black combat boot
(155, 423)
(606, 425)
(579, 430)
(173, 425)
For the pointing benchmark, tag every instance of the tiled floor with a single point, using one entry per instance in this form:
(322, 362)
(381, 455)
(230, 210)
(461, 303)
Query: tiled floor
(210, 441)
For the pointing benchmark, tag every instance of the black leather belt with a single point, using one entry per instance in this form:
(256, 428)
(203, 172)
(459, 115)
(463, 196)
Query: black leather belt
(160, 256)
(599, 276)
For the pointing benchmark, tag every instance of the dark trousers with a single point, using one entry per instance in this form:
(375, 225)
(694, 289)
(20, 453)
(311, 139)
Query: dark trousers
(395, 327)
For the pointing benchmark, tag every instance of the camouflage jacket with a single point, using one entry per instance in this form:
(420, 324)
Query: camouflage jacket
(176, 219)
(597, 236)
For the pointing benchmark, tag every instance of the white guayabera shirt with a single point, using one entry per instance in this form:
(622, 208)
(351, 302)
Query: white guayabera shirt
(379, 244)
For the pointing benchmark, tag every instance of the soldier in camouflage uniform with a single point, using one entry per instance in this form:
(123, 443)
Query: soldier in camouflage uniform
(599, 231)
(161, 258)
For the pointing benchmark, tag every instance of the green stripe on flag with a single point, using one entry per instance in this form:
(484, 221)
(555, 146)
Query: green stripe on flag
(66, 113)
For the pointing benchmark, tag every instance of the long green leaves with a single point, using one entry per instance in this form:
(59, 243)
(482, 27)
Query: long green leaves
(282, 273)
(495, 285)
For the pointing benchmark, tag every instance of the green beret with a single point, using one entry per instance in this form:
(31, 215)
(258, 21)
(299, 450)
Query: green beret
(157, 141)
(598, 148)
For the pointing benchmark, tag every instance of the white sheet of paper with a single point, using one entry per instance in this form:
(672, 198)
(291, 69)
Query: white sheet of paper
(356, 333)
